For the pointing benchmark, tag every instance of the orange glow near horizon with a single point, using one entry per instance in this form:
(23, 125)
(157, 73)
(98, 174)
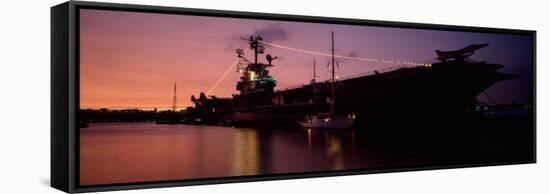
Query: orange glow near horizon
(126, 64)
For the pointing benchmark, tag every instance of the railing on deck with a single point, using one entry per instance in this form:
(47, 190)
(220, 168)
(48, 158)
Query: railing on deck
(368, 73)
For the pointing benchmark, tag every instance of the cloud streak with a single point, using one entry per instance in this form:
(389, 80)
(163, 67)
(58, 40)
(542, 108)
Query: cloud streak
(274, 32)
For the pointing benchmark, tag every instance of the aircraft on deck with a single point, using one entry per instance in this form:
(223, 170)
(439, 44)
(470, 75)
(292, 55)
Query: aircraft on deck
(460, 54)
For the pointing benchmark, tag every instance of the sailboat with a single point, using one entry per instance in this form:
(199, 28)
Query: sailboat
(327, 120)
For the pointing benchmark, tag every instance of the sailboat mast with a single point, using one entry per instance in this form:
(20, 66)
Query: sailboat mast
(313, 86)
(332, 100)
(314, 72)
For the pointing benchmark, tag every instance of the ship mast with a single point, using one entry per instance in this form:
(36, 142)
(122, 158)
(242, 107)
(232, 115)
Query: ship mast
(332, 101)
(254, 44)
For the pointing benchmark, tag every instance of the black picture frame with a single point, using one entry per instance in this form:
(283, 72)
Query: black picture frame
(65, 91)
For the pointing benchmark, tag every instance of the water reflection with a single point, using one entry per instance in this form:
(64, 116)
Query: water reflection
(309, 140)
(334, 151)
(246, 159)
(139, 152)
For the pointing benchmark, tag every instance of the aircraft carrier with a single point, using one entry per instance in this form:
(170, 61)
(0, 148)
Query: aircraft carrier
(446, 88)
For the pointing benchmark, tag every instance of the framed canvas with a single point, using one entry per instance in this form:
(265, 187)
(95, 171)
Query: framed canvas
(148, 96)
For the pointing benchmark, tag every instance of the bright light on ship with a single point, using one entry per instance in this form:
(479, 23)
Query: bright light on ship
(252, 75)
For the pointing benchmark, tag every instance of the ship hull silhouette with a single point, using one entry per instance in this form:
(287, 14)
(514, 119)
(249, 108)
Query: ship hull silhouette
(444, 88)
(449, 87)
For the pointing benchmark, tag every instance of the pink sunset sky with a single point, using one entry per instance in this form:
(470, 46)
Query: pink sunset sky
(131, 59)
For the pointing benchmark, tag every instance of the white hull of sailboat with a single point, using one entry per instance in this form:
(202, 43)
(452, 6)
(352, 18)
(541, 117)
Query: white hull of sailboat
(332, 123)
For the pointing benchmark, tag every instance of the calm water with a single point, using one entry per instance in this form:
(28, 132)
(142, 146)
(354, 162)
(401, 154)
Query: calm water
(137, 152)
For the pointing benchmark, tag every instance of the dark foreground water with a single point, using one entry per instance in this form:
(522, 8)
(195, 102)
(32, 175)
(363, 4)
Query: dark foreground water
(143, 152)
(137, 152)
